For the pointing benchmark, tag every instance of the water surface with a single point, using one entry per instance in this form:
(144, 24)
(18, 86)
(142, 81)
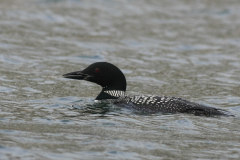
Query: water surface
(179, 48)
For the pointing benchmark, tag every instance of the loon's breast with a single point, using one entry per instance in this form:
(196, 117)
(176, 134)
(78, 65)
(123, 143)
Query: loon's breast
(154, 104)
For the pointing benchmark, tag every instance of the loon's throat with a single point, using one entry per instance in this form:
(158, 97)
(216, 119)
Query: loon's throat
(110, 94)
(115, 93)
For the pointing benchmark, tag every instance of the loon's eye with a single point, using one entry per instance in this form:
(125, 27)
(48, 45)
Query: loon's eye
(97, 70)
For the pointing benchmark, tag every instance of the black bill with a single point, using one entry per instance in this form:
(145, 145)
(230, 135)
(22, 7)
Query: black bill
(76, 75)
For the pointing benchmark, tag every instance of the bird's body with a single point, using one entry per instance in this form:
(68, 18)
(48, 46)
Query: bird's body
(154, 104)
(114, 84)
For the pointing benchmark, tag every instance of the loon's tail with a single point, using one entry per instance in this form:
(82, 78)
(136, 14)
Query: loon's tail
(208, 111)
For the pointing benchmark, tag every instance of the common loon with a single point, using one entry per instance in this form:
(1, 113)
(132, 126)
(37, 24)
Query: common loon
(114, 85)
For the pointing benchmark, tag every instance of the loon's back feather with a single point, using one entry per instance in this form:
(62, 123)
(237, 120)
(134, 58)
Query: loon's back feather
(154, 104)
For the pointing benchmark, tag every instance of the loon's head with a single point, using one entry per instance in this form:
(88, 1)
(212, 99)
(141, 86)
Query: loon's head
(105, 74)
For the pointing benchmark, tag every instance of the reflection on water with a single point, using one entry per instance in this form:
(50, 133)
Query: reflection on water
(179, 48)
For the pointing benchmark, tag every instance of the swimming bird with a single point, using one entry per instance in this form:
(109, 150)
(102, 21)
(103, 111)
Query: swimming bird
(114, 85)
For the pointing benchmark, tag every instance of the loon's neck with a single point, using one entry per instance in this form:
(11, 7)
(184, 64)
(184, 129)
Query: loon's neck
(109, 93)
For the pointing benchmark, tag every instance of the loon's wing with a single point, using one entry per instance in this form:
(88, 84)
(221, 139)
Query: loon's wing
(153, 104)
(201, 110)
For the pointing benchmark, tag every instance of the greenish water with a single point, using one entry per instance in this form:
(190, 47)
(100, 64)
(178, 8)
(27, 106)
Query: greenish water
(179, 48)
